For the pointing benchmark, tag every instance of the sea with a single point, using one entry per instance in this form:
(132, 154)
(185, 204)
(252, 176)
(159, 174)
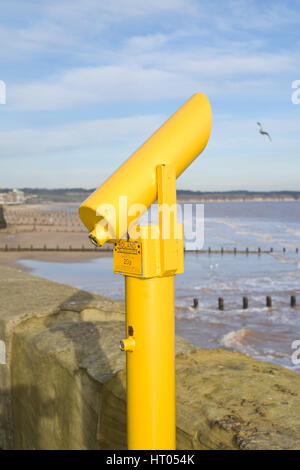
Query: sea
(267, 333)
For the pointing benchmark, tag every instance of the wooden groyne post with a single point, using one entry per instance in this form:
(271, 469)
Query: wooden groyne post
(269, 301)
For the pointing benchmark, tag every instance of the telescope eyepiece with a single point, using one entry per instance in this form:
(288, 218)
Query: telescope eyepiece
(93, 240)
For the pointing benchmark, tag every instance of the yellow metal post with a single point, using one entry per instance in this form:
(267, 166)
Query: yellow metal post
(149, 296)
(149, 258)
(150, 365)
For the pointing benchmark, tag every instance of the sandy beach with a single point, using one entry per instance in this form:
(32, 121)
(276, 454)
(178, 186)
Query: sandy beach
(39, 226)
(40, 238)
(47, 226)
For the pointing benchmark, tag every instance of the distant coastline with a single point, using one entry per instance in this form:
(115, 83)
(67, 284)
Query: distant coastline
(64, 195)
(238, 196)
(205, 199)
(211, 200)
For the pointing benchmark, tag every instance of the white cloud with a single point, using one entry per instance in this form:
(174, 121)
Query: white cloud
(66, 23)
(147, 42)
(85, 153)
(169, 62)
(100, 134)
(84, 25)
(127, 133)
(128, 52)
(171, 75)
(85, 86)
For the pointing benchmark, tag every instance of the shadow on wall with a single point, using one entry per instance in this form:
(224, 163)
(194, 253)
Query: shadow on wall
(63, 395)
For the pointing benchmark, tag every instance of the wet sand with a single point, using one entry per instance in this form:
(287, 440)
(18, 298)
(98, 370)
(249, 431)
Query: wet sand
(37, 239)
(11, 258)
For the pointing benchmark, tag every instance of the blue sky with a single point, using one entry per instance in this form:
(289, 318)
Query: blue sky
(88, 81)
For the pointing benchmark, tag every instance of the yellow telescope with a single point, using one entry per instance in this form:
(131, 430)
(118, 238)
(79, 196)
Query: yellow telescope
(149, 257)
(176, 143)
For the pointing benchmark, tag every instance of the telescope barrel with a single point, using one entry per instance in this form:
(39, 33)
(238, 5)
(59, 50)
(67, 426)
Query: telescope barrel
(177, 143)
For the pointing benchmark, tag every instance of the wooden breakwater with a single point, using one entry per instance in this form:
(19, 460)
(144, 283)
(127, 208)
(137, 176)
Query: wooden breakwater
(245, 302)
(20, 248)
(209, 251)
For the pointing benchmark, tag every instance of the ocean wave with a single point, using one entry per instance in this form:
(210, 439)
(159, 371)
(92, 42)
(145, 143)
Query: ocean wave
(235, 339)
(253, 343)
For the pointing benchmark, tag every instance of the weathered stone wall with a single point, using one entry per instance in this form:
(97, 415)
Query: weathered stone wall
(24, 299)
(63, 384)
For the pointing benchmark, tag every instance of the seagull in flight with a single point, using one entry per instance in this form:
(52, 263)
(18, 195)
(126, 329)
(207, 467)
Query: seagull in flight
(262, 132)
